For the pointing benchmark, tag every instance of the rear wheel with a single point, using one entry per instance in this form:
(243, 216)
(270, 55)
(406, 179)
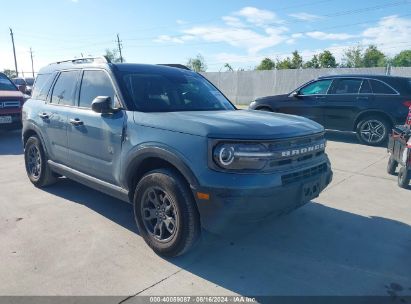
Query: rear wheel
(165, 212)
(37, 168)
(373, 130)
(404, 177)
(391, 166)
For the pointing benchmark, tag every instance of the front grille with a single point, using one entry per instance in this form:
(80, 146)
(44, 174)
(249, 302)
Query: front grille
(303, 174)
(296, 150)
(9, 104)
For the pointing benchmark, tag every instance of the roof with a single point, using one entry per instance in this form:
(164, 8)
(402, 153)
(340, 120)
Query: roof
(376, 76)
(103, 62)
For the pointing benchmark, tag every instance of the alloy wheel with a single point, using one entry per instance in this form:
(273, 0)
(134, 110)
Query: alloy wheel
(159, 214)
(373, 131)
(34, 162)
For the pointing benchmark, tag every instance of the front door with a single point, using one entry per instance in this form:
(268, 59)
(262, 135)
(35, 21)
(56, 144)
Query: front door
(309, 101)
(95, 139)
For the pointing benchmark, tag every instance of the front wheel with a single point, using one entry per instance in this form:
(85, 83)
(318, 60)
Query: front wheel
(165, 213)
(37, 168)
(404, 177)
(372, 130)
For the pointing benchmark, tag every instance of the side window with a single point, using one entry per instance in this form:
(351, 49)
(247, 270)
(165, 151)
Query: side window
(316, 87)
(42, 86)
(365, 87)
(347, 86)
(64, 89)
(95, 83)
(379, 87)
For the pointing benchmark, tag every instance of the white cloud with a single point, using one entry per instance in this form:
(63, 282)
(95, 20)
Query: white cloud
(233, 21)
(248, 39)
(174, 39)
(257, 16)
(181, 22)
(305, 16)
(329, 36)
(391, 35)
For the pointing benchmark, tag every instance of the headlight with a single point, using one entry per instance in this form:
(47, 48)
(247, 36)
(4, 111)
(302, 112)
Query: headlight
(241, 156)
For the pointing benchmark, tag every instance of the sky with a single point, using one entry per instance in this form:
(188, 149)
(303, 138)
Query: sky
(237, 32)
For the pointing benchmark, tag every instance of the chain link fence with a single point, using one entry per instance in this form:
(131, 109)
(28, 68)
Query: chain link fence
(242, 87)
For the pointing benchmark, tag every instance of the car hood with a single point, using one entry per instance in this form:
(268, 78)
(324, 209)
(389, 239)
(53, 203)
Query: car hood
(240, 124)
(12, 94)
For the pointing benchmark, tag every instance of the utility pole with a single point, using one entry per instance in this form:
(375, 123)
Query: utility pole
(32, 66)
(14, 52)
(119, 47)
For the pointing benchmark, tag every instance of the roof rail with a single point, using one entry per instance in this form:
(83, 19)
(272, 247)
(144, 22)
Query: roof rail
(101, 59)
(175, 65)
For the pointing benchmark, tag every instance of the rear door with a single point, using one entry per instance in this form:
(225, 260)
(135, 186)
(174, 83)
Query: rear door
(308, 102)
(53, 116)
(347, 98)
(95, 139)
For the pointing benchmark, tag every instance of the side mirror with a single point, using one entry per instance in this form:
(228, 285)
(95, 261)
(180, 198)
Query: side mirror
(21, 88)
(295, 94)
(102, 104)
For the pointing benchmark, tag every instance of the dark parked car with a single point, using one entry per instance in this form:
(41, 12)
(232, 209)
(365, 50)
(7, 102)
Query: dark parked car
(367, 104)
(166, 140)
(29, 84)
(11, 102)
(20, 84)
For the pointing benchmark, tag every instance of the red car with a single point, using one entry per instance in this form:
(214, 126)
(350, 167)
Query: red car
(11, 103)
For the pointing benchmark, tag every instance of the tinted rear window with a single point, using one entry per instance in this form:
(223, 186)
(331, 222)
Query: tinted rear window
(379, 87)
(42, 86)
(347, 86)
(65, 87)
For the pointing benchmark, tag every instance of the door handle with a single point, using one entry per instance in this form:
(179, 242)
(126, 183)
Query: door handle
(362, 97)
(44, 115)
(76, 122)
(319, 97)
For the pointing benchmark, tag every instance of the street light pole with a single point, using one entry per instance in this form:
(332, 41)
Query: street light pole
(14, 52)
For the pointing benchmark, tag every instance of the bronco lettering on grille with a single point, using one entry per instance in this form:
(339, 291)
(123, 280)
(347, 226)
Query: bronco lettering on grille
(304, 150)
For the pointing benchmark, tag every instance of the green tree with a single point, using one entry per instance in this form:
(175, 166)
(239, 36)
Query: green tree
(403, 59)
(10, 73)
(327, 60)
(373, 57)
(266, 64)
(296, 60)
(284, 64)
(197, 64)
(314, 63)
(353, 57)
(228, 67)
(113, 55)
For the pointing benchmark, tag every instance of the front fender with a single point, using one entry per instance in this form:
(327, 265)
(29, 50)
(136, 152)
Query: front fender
(148, 150)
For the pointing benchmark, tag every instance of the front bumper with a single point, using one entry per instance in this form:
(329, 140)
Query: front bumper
(227, 204)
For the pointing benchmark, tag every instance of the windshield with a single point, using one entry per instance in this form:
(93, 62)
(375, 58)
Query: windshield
(6, 84)
(30, 81)
(161, 92)
(19, 81)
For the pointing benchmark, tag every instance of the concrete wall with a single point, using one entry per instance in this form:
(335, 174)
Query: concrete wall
(244, 86)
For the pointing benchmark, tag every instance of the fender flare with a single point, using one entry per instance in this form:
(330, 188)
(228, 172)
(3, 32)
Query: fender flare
(141, 153)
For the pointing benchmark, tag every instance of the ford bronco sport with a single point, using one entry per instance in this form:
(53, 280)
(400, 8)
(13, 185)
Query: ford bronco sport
(168, 141)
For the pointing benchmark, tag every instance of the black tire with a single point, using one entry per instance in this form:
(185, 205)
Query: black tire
(404, 177)
(167, 188)
(41, 175)
(373, 130)
(391, 166)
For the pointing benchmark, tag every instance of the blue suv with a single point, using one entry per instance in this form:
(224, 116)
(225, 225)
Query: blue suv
(168, 141)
